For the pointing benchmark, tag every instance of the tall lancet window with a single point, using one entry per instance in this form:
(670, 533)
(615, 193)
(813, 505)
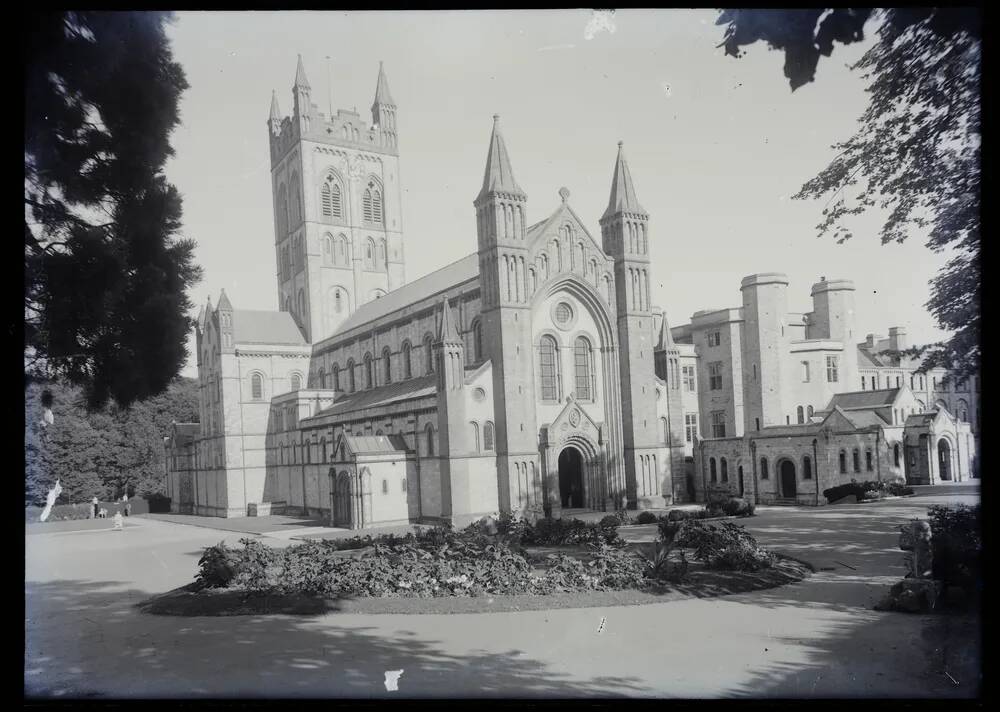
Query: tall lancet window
(407, 363)
(582, 365)
(549, 368)
(371, 203)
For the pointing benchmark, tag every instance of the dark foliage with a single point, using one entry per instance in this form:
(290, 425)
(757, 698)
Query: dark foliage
(916, 154)
(956, 546)
(722, 545)
(106, 452)
(867, 490)
(105, 275)
(646, 518)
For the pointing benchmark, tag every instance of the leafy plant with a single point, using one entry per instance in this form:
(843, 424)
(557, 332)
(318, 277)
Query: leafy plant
(956, 545)
(721, 545)
(646, 518)
(216, 567)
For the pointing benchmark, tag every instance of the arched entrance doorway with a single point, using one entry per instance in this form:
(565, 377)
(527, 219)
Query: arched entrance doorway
(944, 459)
(739, 472)
(787, 478)
(571, 478)
(342, 501)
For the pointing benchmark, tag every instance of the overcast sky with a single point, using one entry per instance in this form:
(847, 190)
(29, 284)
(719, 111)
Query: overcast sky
(716, 145)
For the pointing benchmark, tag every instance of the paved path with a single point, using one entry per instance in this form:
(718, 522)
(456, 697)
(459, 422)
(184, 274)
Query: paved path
(815, 638)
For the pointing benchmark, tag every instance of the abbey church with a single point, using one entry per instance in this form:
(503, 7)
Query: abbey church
(532, 376)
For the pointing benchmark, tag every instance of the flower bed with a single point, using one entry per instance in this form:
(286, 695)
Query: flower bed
(441, 562)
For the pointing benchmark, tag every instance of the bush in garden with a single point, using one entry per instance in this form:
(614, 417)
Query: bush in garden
(616, 568)
(646, 518)
(723, 545)
(956, 545)
(677, 515)
(623, 517)
(612, 521)
(216, 567)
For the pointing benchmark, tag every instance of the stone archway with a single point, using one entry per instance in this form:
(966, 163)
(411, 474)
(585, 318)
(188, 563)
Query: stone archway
(786, 473)
(342, 501)
(944, 460)
(571, 481)
(739, 475)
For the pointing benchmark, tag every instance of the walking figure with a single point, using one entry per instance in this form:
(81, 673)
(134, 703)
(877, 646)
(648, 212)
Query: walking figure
(96, 505)
(128, 505)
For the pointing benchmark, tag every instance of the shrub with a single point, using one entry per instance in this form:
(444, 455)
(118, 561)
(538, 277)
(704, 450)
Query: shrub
(738, 507)
(898, 489)
(216, 567)
(612, 520)
(646, 518)
(623, 517)
(723, 545)
(956, 545)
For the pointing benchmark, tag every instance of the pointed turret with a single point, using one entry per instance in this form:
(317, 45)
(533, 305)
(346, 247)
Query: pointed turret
(274, 120)
(666, 338)
(622, 199)
(224, 304)
(382, 95)
(300, 76)
(447, 333)
(499, 177)
(201, 319)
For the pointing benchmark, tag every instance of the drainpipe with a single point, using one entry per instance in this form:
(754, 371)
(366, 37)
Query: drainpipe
(816, 469)
(704, 482)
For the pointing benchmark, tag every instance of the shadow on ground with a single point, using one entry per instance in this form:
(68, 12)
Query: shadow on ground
(283, 656)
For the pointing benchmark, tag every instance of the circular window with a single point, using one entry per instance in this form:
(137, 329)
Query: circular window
(563, 315)
(479, 395)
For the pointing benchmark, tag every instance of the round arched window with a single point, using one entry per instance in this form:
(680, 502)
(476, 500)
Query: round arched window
(563, 313)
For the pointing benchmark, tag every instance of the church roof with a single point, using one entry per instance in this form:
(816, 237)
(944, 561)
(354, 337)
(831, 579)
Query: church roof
(382, 396)
(413, 292)
(499, 177)
(370, 444)
(300, 75)
(622, 199)
(864, 399)
(265, 327)
(382, 95)
(864, 418)
(920, 419)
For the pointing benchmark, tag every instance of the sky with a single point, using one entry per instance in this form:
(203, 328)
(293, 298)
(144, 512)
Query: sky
(716, 145)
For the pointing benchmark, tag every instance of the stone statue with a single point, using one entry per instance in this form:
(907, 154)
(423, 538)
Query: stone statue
(915, 539)
(918, 592)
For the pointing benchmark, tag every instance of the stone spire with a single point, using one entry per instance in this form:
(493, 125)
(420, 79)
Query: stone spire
(300, 76)
(666, 338)
(622, 198)
(499, 178)
(224, 304)
(382, 95)
(275, 110)
(447, 333)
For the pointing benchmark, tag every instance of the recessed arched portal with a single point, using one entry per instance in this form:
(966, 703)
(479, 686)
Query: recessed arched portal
(739, 471)
(944, 459)
(787, 470)
(571, 478)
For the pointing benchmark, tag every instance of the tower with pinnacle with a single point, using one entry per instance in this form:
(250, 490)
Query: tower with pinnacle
(338, 221)
(501, 219)
(625, 237)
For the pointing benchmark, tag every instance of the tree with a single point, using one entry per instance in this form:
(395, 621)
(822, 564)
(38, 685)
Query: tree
(108, 451)
(105, 271)
(916, 152)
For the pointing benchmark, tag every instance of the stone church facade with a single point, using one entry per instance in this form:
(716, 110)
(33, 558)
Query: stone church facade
(532, 376)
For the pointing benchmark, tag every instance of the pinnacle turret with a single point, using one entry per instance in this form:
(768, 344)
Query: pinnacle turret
(499, 177)
(622, 199)
(275, 110)
(666, 338)
(300, 76)
(382, 94)
(224, 304)
(447, 333)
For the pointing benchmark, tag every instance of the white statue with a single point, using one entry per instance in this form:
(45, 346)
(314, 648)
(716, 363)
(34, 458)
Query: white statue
(50, 499)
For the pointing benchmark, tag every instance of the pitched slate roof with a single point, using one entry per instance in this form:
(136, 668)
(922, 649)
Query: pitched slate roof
(413, 292)
(370, 444)
(865, 418)
(867, 360)
(920, 418)
(265, 327)
(382, 396)
(864, 399)
(787, 430)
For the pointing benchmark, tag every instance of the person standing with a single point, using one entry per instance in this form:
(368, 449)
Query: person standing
(96, 504)
(128, 505)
